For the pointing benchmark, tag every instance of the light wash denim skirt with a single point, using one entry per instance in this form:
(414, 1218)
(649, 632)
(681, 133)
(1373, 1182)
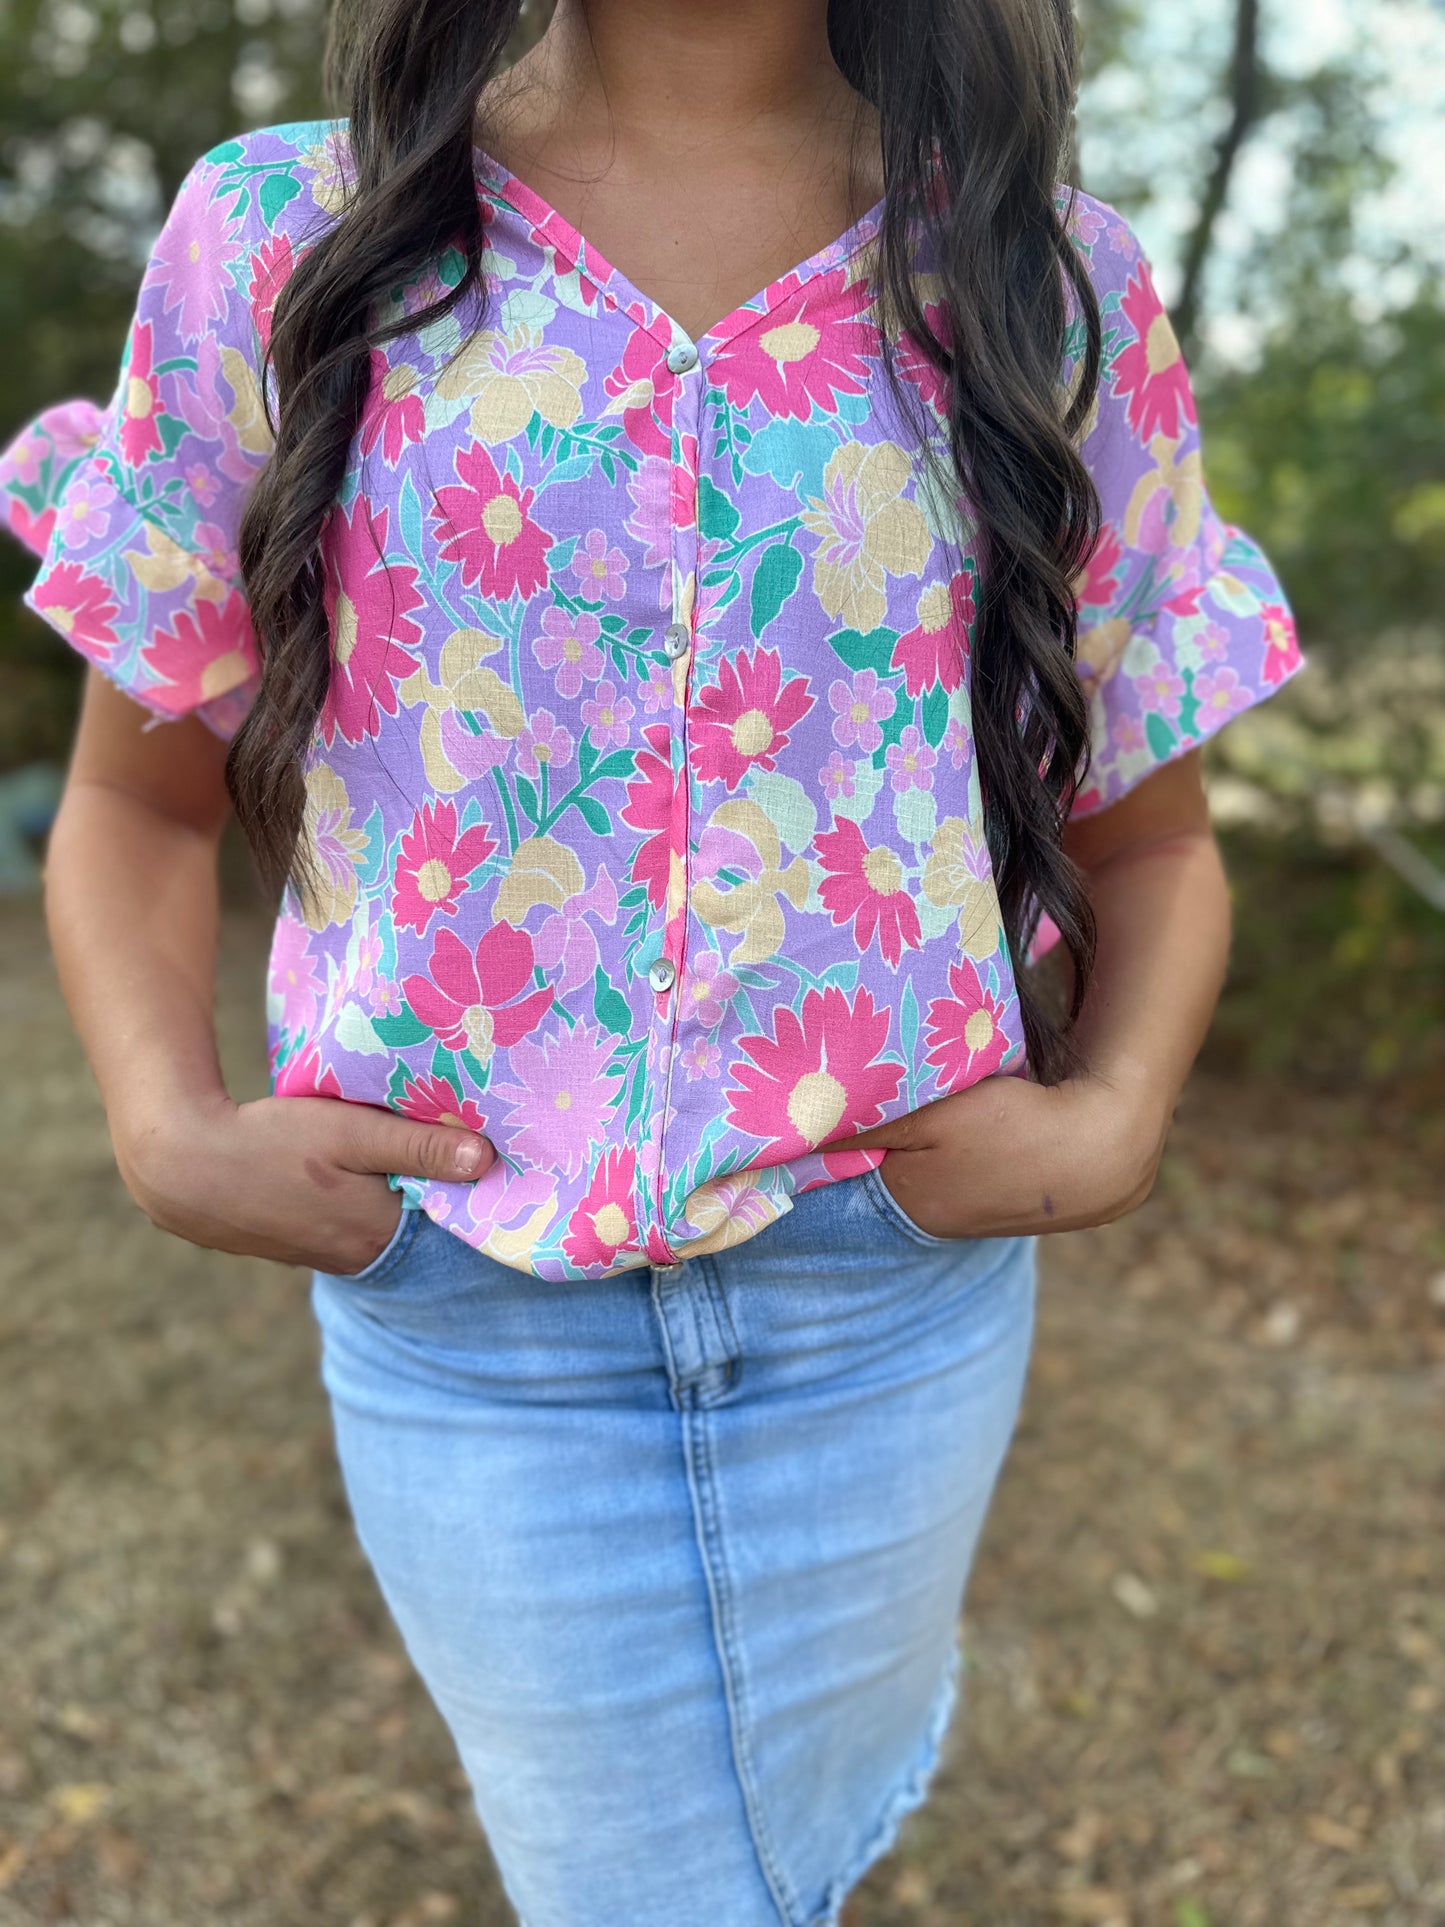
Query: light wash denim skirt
(680, 1553)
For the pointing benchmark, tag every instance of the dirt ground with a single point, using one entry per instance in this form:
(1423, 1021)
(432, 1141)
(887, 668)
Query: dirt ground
(1207, 1629)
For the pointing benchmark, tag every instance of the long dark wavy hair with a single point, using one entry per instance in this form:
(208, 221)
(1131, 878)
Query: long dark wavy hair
(975, 100)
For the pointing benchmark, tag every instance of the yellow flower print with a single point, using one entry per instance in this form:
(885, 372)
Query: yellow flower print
(466, 684)
(512, 376)
(328, 183)
(866, 531)
(335, 848)
(726, 1211)
(1183, 480)
(752, 909)
(541, 871)
(958, 872)
(163, 564)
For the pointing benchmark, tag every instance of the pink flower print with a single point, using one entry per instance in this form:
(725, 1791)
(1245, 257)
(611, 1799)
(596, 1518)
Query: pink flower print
(966, 1036)
(563, 1098)
(139, 434)
(868, 887)
(1150, 369)
(916, 367)
(814, 345)
(702, 1058)
(306, 1076)
(568, 646)
(910, 761)
(486, 527)
(84, 510)
(599, 569)
(201, 481)
(394, 413)
(468, 997)
(745, 718)
(1096, 586)
(215, 550)
(821, 1075)
(707, 989)
(208, 649)
(543, 741)
(649, 808)
(471, 755)
(837, 776)
(1161, 690)
(271, 268)
(368, 957)
(955, 741)
(435, 862)
(932, 654)
(433, 1100)
(1128, 734)
(607, 718)
(1219, 694)
(859, 708)
(294, 979)
(1214, 643)
(566, 937)
(80, 607)
(1281, 647)
(373, 623)
(604, 1223)
(640, 388)
(657, 690)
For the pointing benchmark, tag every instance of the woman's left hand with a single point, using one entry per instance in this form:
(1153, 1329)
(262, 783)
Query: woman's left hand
(1008, 1158)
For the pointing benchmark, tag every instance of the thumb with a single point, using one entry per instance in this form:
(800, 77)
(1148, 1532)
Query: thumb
(385, 1142)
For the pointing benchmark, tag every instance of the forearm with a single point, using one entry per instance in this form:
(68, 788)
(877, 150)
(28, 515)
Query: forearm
(1164, 928)
(132, 906)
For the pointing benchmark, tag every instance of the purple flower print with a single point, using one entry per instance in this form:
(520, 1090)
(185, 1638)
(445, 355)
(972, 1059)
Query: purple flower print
(295, 981)
(568, 645)
(910, 761)
(562, 1098)
(1127, 733)
(955, 741)
(202, 484)
(1161, 690)
(859, 708)
(702, 1058)
(651, 519)
(1214, 643)
(600, 569)
(385, 997)
(836, 776)
(85, 513)
(708, 988)
(543, 741)
(568, 939)
(1219, 693)
(607, 718)
(657, 692)
(192, 267)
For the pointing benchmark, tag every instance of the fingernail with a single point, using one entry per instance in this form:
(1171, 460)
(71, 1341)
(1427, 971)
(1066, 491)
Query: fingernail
(469, 1156)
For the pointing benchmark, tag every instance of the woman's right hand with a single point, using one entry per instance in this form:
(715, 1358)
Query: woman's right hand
(301, 1180)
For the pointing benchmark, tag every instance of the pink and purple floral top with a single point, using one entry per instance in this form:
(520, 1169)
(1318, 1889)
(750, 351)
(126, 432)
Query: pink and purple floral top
(643, 794)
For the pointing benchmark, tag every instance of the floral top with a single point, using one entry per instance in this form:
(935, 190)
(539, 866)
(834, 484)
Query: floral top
(643, 793)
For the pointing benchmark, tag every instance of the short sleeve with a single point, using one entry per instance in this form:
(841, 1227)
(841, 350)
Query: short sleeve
(135, 509)
(1183, 622)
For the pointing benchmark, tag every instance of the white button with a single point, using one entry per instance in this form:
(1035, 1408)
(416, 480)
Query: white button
(676, 640)
(663, 975)
(682, 357)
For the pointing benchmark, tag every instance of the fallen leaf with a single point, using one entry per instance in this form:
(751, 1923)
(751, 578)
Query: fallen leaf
(1330, 1833)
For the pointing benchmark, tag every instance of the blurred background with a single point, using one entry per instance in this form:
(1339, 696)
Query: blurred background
(1207, 1631)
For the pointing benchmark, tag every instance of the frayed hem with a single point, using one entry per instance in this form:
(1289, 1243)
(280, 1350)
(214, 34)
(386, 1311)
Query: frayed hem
(906, 1799)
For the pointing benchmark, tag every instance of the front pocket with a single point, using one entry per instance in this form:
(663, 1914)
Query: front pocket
(888, 1207)
(394, 1248)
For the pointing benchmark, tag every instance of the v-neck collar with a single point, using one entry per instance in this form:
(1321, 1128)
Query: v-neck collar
(620, 291)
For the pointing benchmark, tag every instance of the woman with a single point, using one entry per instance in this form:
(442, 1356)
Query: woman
(669, 686)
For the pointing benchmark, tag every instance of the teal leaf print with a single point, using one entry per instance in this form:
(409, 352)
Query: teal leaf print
(276, 191)
(774, 580)
(935, 714)
(593, 815)
(717, 519)
(402, 1030)
(609, 1006)
(527, 797)
(1161, 738)
(444, 1066)
(369, 872)
(1189, 707)
(873, 651)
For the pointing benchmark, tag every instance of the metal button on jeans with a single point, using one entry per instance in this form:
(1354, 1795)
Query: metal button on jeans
(682, 357)
(676, 640)
(662, 975)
